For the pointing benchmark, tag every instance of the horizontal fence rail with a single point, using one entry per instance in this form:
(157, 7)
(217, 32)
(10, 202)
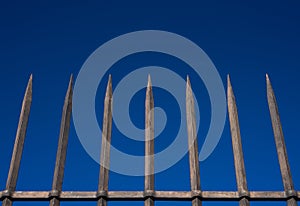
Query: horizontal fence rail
(150, 195)
(158, 195)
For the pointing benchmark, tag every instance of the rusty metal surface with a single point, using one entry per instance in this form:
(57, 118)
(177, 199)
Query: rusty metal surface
(149, 145)
(105, 146)
(192, 144)
(62, 145)
(158, 195)
(280, 144)
(19, 143)
(239, 164)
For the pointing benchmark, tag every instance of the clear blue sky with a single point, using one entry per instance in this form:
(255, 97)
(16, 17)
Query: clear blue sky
(244, 39)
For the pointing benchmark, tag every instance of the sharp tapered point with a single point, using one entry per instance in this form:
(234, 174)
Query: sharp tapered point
(149, 81)
(29, 87)
(68, 97)
(269, 85)
(230, 94)
(149, 86)
(71, 81)
(188, 82)
(71, 77)
(109, 86)
(228, 81)
(268, 79)
(30, 79)
(189, 91)
(149, 93)
(229, 86)
(109, 83)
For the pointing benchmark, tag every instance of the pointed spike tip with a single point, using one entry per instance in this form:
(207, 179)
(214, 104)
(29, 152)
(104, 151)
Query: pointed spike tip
(71, 80)
(149, 81)
(267, 77)
(30, 80)
(70, 86)
(109, 83)
(188, 82)
(268, 81)
(29, 84)
(228, 80)
(109, 86)
(188, 90)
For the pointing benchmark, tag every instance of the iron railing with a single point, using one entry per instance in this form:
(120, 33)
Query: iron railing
(149, 195)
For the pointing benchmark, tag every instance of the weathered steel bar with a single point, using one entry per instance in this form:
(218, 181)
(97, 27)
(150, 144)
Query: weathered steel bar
(105, 146)
(18, 146)
(159, 195)
(62, 146)
(192, 144)
(280, 146)
(149, 146)
(237, 146)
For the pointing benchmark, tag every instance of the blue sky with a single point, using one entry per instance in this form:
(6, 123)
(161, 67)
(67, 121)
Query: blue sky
(53, 39)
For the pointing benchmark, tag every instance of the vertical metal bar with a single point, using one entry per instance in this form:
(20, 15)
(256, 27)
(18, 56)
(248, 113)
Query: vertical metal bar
(62, 146)
(149, 145)
(280, 145)
(105, 147)
(193, 144)
(237, 146)
(19, 142)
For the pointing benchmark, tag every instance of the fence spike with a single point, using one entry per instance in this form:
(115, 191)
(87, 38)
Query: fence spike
(105, 146)
(149, 144)
(19, 143)
(237, 145)
(192, 143)
(280, 145)
(62, 145)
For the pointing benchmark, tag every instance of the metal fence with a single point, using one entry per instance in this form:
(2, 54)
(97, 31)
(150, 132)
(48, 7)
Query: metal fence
(149, 195)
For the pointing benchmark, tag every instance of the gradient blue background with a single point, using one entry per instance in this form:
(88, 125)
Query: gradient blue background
(245, 39)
